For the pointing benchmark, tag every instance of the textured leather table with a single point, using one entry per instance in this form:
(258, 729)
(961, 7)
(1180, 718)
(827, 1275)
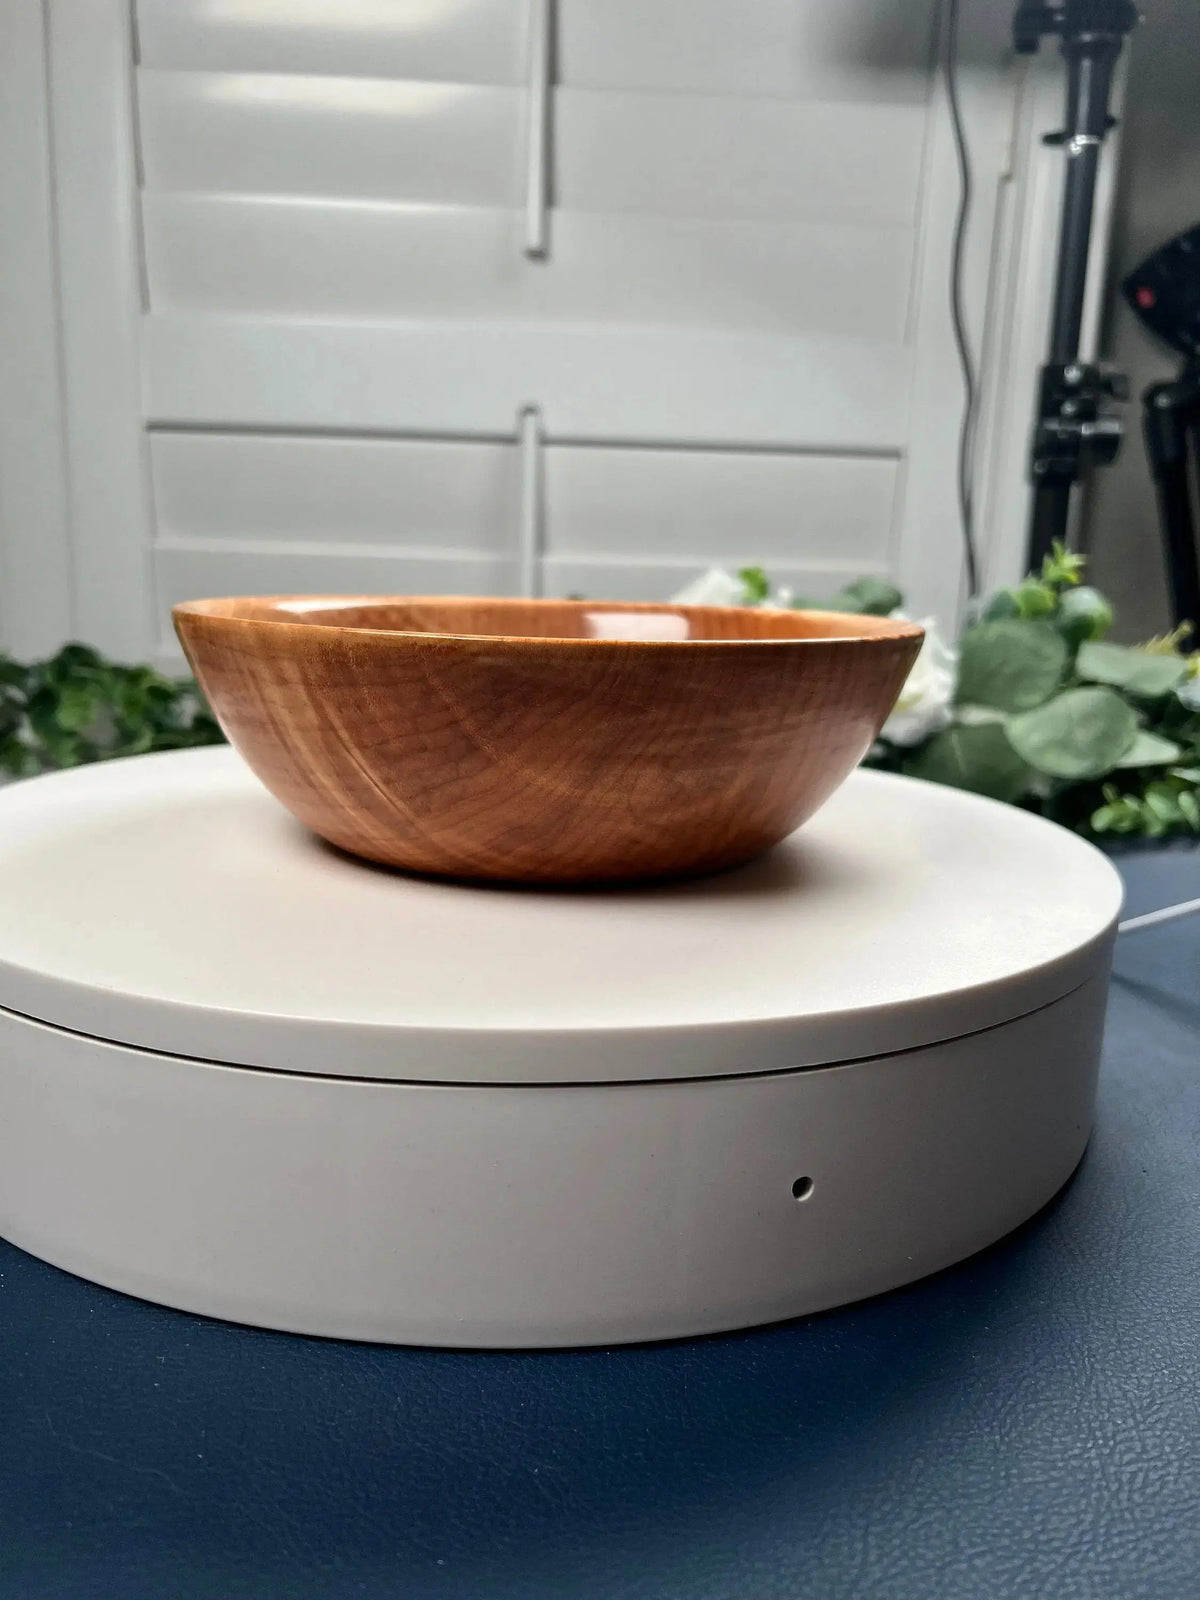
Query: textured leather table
(1026, 1424)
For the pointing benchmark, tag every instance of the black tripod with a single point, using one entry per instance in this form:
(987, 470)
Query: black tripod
(1172, 420)
(1165, 293)
(1077, 423)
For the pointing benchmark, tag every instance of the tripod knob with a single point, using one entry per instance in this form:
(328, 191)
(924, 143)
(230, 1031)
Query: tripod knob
(1034, 19)
(1099, 16)
(1073, 21)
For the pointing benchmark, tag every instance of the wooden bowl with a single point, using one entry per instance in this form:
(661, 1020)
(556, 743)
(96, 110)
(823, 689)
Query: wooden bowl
(519, 740)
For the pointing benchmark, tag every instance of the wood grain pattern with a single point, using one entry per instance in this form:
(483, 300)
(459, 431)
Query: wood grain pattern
(502, 739)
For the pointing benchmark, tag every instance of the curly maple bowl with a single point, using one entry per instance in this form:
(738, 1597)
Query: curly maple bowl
(546, 741)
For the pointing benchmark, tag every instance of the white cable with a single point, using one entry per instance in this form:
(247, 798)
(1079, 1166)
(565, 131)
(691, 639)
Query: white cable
(1151, 919)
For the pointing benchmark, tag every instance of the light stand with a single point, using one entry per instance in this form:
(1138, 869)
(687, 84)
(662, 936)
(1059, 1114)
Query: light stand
(1172, 423)
(1164, 291)
(1077, 423)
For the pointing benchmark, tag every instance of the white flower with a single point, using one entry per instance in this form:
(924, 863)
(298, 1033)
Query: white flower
(712, 588)
(924, 704)
(716, 587)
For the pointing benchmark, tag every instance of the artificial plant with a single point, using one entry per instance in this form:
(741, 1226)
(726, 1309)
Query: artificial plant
(78, 707)
(1037, 708)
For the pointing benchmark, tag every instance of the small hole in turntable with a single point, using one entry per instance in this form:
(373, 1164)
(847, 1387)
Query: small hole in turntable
(802, 1188)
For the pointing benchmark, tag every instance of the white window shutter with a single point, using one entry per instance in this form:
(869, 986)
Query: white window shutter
(317, 260)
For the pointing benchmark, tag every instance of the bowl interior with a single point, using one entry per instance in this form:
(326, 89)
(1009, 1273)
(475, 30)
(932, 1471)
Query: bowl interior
(548, 619)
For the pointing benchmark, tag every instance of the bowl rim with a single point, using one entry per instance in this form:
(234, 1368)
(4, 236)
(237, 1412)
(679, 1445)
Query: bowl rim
(881, 630)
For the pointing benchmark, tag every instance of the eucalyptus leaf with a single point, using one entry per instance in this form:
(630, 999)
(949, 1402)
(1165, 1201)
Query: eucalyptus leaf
(867, 596)
(1114, 817)
(1164, 804)
(1002, 606)
(977, 716)
(1011, 664)
(1150, 750)
(1083, 614)
(1080, 734)
(976, 756)
(1137, 672)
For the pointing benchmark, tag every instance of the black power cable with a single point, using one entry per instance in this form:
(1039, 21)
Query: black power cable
(966, 437)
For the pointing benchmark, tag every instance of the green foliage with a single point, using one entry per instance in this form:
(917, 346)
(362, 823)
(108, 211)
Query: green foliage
(975, 756)
(1080, 734)
(867, 597)
(1011, 664)
(870, 597)
(1170, 644)
(1083, 614)
(1002, 606)
(1046, 713)
(1150, 750)
(1163, 807)
(1041, 596)
(1062, 567)
(756, 586)
(1034, 600)
(1143, 673)
(77, 707)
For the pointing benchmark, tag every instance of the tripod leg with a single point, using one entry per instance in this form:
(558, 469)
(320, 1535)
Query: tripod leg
(1171, 422)
(1075, 238)
(1051, 516)
(1092, 40)
(1185, 592)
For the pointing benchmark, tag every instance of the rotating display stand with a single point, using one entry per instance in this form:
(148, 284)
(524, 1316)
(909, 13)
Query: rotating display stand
(246, 1075)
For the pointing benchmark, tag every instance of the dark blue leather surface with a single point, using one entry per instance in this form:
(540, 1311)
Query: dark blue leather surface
(1025, 1425)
